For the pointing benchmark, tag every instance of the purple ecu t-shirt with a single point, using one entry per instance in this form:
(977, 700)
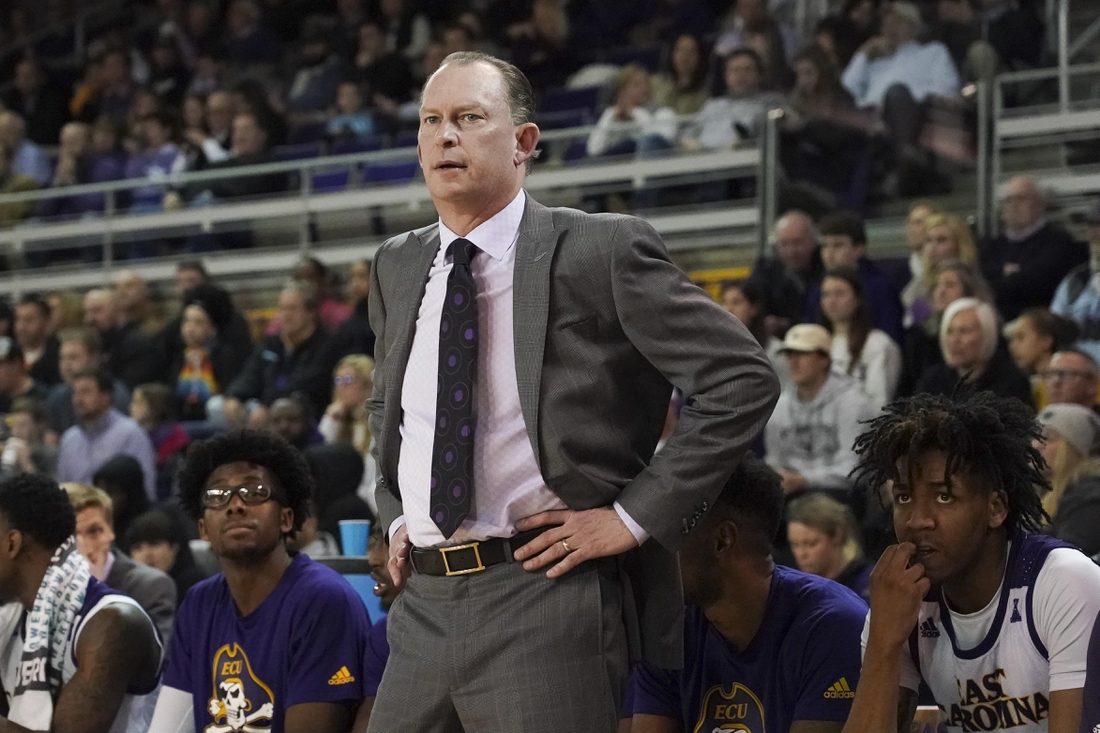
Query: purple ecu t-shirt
(378, 653)
(803, 664)
(305, 643)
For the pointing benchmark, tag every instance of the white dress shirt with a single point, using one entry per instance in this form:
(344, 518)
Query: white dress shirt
(925, 68)
(507, 483)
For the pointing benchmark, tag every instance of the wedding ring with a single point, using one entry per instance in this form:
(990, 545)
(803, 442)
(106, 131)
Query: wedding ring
(566, 546)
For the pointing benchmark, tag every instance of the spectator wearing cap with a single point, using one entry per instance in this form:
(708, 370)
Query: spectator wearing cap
(1070, 442)
(24, 157)
(14, 380)
(1078, 295)
(810, 434)
(153, 409)
(897, 74)
(1025, 263)
(102, 432)
(1072, 377)
(41, 350)
(81, 348)
(969, 342)
(208, 359)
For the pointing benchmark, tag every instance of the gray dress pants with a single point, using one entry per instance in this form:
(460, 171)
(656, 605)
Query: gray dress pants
(505, 651)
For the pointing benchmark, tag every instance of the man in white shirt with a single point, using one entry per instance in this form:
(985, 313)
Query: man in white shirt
(993, 616)
(536, 535)
(896, 74)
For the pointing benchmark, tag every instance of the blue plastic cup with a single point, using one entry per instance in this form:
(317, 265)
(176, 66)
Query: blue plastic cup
(353, 536)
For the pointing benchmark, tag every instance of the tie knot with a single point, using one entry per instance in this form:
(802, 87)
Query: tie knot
(463, 251)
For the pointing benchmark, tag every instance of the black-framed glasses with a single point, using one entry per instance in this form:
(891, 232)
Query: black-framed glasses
(216, 498)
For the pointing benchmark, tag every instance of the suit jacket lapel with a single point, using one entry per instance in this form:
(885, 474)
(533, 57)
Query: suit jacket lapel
(418, 263)
(538, 239)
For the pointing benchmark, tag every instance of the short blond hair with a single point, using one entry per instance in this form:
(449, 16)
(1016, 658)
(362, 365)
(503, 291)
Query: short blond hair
(83, 496)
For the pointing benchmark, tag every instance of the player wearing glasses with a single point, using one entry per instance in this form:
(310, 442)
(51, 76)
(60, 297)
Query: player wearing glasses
(275, 642)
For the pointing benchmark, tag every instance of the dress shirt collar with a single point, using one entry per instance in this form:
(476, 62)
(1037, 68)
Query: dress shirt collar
(1022, 234)
(495, 236)
(95, 427)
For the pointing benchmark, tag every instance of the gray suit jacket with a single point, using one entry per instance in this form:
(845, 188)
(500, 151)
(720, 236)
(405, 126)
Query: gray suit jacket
(605, 324)
(153, 590)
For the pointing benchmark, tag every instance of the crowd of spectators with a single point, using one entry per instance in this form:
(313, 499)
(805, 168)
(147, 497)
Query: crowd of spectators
(1011, 314)
(188, 85)
(108, 407)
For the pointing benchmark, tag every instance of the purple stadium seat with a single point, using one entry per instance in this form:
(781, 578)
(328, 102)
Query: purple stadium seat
(309, 132)
(330, 181)
(564, 119)
(365, 145)
(404, 140)
(391, 173)
(648, 57)
(558, 100)
(301, 151)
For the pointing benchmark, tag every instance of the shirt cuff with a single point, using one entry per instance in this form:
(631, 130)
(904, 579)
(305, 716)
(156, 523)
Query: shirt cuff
(640, 535)
(395, 525)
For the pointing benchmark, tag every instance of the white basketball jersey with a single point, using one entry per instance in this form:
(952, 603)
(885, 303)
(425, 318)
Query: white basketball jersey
(1004, 682)
(136, 711)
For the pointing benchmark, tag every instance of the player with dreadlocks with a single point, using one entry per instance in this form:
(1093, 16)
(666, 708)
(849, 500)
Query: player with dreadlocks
(994, 617)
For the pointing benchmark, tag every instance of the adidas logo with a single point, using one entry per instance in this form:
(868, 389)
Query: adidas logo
(341, 678)
(928, 629)
(840, 690)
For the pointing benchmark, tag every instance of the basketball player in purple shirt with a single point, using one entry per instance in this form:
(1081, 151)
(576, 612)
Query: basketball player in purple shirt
(276, 641)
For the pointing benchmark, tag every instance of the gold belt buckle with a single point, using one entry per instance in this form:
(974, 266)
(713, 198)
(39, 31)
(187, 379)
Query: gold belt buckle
(467, 546)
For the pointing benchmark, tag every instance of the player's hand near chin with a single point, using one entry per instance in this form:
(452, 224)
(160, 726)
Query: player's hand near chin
(897, 589)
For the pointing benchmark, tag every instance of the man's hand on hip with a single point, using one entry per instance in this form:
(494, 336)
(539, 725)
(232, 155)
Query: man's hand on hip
(400, 566)
(574, 538)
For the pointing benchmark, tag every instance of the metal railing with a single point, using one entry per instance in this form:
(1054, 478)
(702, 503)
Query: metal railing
(1003, 130)
(582, 177)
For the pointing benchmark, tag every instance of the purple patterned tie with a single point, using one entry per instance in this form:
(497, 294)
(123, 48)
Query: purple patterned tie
(453, 450)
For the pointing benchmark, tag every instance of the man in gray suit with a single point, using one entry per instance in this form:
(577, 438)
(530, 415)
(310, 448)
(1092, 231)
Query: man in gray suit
(154, 591)
(524, 361)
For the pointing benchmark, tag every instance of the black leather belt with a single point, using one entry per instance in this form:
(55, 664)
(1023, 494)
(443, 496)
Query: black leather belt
(471, 557)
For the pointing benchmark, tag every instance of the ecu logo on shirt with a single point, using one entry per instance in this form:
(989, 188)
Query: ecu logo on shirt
(737, 710)
(241, 702)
